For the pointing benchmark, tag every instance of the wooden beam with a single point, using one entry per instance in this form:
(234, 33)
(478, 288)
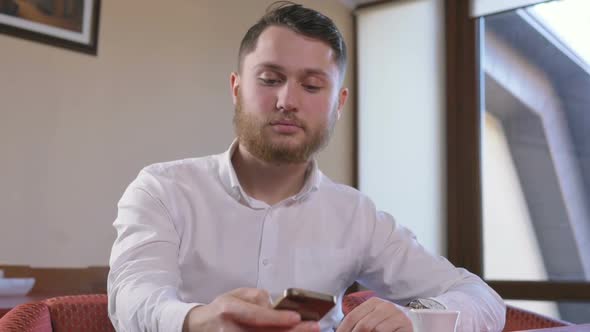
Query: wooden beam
(66, 281)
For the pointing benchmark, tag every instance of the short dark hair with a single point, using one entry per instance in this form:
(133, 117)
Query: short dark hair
(299, 19)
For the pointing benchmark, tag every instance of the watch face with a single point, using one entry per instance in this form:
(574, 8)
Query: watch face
(416, 304)
(425, 304)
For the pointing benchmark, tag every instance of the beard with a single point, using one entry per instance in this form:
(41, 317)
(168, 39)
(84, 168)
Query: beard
(253, 133)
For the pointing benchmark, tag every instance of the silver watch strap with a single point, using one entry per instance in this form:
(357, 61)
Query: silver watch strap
(429, 303)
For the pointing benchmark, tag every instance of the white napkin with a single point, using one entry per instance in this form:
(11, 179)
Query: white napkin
(16, 286)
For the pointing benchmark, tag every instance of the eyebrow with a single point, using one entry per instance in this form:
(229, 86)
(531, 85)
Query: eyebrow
(307, 71)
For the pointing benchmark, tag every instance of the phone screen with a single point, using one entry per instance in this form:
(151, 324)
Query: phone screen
(310, 305)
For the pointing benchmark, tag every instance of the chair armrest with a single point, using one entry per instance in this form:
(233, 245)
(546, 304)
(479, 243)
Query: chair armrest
(28, 317)
(87, 313)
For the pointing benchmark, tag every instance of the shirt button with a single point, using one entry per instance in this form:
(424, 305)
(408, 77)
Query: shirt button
(265, 262)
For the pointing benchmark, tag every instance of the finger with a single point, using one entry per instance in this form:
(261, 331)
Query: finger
(254, 315)
(394, 323)
(301, 327)
(371, 320)
(306, 327)
(253, 295)
(357, 314)
(231, 327)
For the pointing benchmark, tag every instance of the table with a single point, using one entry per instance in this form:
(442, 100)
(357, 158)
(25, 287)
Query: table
(572, 328)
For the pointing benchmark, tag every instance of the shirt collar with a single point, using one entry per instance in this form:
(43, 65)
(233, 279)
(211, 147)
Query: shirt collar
(230, 181)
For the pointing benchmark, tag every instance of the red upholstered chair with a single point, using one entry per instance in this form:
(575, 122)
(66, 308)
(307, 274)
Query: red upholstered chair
(519, 319)
(29, 317)
(60, 314)
(516, 318)
(352, 300)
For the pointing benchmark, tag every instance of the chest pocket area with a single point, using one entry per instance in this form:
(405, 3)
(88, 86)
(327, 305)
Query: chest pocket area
(325, 270)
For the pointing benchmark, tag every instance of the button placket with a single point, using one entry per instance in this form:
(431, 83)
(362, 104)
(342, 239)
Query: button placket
(267, 250)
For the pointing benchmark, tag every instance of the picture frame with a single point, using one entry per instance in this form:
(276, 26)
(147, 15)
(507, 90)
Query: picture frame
(70, 24)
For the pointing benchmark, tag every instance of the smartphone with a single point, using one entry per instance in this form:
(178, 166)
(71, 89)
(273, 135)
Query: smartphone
(310, 305)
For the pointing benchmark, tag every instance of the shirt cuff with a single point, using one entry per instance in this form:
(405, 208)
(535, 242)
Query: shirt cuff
(173, 315)
(442, 300)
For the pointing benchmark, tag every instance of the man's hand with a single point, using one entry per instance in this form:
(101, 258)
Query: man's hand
(376, 315)
(245, 309)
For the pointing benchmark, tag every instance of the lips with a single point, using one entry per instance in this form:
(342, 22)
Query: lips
(286, 123)
(286, 126)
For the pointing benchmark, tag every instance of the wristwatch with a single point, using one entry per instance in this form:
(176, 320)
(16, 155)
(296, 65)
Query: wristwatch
(425, 304)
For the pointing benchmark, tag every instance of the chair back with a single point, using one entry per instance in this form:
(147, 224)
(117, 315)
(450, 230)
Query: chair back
(80, 313)
(518, 319)
(60, 314)
(28, 317)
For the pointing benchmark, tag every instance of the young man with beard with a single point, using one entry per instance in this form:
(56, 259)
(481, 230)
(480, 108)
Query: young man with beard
(204, 244)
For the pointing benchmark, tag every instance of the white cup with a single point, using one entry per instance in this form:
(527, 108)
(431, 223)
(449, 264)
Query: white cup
(434, 320)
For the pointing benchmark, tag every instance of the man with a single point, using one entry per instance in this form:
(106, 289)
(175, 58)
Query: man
(204, 244)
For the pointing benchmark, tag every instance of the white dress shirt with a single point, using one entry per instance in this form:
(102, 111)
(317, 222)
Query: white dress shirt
(187, 232)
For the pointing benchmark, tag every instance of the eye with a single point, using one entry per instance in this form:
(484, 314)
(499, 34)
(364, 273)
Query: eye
(269, 81)
(311, 88)
(312, 84)
(270, 78)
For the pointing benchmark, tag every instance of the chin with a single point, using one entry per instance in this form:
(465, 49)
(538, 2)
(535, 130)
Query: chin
(288, 143)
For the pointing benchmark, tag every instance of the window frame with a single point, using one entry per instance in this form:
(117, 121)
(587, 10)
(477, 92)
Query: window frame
(463, 150)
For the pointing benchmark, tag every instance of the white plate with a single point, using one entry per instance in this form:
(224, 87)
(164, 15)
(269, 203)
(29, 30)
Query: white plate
(16, 286)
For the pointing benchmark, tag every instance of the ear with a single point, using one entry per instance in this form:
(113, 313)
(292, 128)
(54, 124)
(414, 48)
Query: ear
(342, 97)
(234, 80)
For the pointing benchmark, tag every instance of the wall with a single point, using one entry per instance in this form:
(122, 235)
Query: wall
(401, 114)
(76, 129)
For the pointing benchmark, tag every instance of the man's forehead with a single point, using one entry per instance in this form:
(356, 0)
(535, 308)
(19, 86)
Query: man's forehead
(282, 48)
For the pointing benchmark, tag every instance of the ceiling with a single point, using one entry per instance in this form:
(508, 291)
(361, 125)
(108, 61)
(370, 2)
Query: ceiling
(353, 3)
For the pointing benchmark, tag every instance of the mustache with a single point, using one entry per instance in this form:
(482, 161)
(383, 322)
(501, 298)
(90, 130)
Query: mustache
(293, 120)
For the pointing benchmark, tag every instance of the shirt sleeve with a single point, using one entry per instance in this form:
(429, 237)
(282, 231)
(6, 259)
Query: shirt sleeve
(144, 274)
(398, 268)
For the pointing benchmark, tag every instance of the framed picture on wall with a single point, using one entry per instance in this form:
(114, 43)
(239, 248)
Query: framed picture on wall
(71, 24)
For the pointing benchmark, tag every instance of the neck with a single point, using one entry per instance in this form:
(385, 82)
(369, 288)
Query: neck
(268, 182)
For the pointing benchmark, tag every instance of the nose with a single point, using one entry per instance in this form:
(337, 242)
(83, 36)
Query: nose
(287, 97)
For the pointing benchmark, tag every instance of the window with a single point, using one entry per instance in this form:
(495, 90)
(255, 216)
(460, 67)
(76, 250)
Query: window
(519, 152)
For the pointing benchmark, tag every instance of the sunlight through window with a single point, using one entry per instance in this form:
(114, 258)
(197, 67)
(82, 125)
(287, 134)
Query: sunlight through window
(569, 21)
